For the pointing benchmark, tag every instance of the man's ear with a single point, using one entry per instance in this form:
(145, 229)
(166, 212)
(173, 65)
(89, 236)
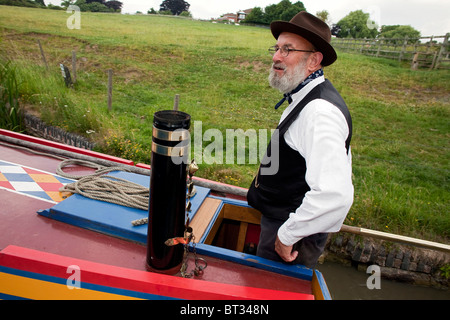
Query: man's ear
(315, 61)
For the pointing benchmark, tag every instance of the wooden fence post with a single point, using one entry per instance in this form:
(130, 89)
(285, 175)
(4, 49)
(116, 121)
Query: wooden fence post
(430, 44)
(176, 102)
(110, 74)
(379, 47)
(402, 53)
(42, 53)
(433, 61)
(415, 62)
(441, 51)
(74, 66)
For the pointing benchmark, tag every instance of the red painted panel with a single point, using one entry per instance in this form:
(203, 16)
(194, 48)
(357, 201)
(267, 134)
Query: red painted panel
(64, 147)
(253, 232)
(143, 166)
(130, 279)
(6, 184)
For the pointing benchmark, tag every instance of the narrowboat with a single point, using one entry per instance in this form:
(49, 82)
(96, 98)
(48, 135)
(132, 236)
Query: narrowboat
(60, 245)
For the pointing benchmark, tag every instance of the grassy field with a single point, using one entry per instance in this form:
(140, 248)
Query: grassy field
(401, 117)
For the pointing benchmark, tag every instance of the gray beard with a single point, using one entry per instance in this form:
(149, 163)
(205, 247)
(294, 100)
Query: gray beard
(290, 79)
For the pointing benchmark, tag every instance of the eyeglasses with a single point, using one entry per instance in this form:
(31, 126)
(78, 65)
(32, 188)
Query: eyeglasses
(285, 50)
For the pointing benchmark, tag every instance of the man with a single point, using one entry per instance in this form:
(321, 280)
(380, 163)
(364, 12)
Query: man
(311, 191)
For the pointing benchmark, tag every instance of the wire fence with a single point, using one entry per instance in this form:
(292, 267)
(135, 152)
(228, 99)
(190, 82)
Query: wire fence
(424, 52)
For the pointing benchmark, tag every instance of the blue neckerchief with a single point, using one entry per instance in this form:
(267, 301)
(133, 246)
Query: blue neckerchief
(288, 96)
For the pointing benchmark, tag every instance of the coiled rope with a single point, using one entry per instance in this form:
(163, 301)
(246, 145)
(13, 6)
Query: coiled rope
(99, 186)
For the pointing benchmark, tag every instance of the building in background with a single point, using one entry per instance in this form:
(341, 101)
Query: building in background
(237, 17)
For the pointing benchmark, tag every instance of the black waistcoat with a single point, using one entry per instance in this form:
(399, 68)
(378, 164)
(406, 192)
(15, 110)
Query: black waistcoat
(281, 192)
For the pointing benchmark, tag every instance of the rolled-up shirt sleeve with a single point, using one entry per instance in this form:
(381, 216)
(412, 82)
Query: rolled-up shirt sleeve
(319, 134)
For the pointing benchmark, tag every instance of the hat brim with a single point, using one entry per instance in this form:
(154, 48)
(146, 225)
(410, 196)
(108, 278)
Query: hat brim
(322, 45)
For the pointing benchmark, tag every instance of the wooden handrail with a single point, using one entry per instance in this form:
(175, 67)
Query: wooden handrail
(396, 238)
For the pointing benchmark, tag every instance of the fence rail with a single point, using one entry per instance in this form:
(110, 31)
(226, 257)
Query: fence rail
(423, 52)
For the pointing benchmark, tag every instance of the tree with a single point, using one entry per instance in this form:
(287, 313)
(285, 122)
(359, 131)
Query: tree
(115, 5)
(289, 13)
(400, 33)
(186, 14)
(21, 3)
(255, 16)
(165, 12)
(355, 25)
(174, 6)
(323, 15)
(95, 5)
(67, 3)
(284, 11)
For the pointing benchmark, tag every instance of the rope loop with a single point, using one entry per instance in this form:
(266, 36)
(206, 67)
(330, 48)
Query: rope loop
(99, 186)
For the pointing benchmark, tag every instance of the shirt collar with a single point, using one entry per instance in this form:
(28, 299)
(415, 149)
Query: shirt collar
(306, 89)
(297, 97)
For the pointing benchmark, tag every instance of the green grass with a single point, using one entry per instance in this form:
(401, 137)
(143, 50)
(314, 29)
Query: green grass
(10, 115)
(401, 117)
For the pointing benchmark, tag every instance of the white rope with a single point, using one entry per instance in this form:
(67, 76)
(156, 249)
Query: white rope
(99, 186)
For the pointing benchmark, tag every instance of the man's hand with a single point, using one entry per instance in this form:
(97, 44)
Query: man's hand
(285, 252)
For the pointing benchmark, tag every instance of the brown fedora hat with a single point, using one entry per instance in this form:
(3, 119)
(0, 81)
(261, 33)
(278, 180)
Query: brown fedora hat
(312, 29)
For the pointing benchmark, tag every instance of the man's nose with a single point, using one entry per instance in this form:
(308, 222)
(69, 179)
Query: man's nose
(277, 57)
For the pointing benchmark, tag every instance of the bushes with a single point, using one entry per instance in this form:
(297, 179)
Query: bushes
(10, 114)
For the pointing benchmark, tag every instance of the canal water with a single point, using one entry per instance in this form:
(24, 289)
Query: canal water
(347, 283)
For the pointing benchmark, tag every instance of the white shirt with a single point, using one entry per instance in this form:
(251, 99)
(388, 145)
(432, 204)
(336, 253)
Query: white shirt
(319, 134)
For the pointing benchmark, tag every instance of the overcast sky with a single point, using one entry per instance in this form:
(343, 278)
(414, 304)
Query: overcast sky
(430, 17)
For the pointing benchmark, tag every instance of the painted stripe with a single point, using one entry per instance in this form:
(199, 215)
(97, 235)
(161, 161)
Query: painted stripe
(135, 280)
(297, 271)
(10, 297)
(30, 288)
(102, 291)
(28, 195)
(319, 286)
(31, 170)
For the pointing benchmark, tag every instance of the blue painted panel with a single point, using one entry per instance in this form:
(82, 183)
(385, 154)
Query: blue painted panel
(297, 271)
(109, 218)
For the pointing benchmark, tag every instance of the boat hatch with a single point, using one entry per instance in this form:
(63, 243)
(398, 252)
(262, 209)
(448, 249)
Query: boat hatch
(232, 224)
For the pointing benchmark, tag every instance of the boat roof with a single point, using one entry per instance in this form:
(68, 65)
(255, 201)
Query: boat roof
(29, 185)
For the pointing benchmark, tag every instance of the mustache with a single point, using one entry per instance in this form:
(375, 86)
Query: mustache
(279, 66)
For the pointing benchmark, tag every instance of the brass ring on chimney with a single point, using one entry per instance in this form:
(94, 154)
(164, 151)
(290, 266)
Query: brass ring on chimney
(177, 135)
(170, 151)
